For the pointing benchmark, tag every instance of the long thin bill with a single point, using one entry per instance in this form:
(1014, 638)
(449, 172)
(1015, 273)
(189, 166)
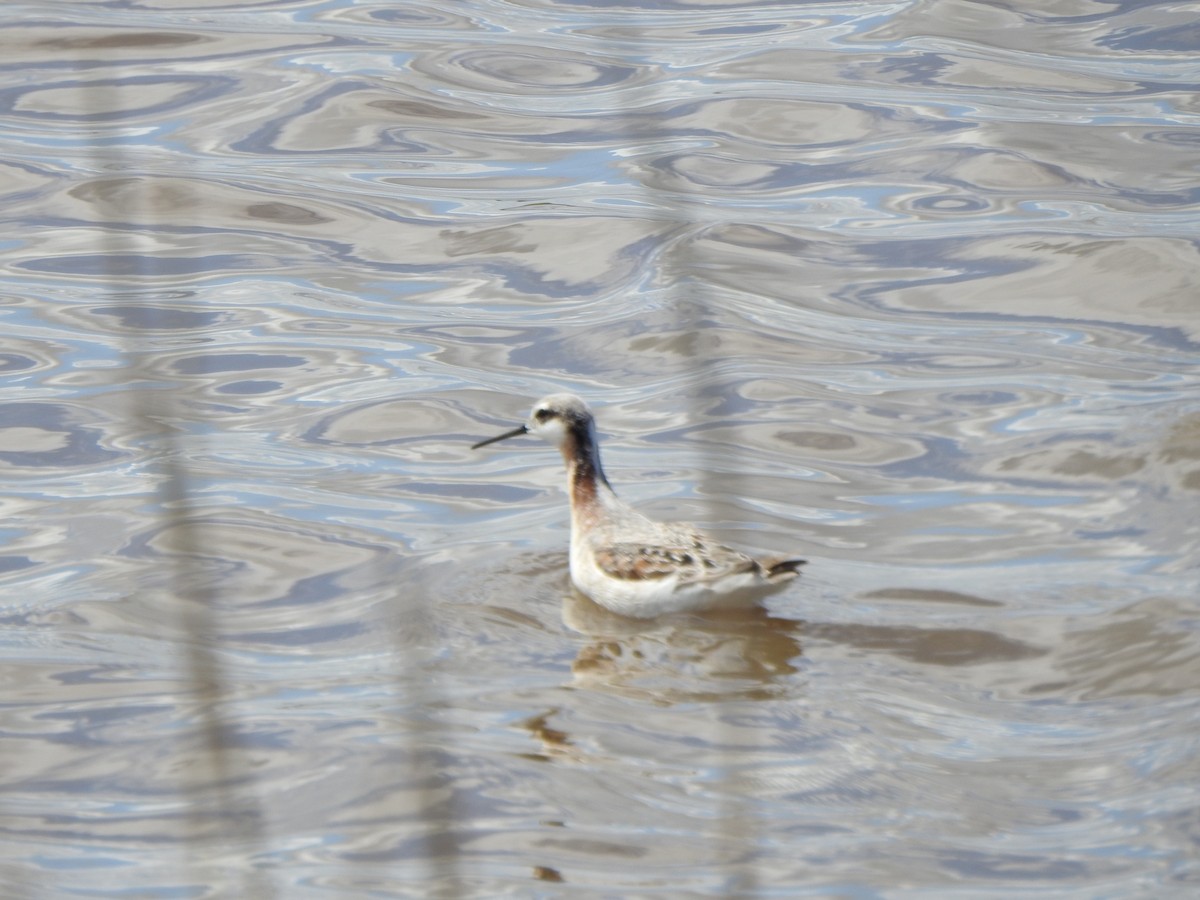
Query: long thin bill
(524, 429)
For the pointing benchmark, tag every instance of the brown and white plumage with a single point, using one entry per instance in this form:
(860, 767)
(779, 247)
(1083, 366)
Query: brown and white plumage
(626, 562)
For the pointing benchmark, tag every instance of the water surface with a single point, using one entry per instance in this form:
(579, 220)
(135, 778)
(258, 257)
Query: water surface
(908, 288)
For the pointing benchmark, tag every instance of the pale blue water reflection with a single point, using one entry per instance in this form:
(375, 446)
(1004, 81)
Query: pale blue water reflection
(907, 287)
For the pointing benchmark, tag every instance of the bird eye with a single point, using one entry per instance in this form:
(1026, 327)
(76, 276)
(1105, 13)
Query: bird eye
(542, 415)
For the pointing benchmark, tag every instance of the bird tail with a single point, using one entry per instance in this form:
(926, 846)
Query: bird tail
(784, 567)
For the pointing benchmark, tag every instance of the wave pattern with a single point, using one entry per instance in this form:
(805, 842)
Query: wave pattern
(910, 286)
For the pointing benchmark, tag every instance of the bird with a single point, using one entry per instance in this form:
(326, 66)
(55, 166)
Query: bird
(622, 560)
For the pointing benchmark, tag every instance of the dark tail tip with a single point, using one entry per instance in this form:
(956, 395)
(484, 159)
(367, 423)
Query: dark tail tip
(782, 568)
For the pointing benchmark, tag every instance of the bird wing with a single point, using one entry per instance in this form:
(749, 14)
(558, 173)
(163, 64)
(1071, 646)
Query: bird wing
(693, 562)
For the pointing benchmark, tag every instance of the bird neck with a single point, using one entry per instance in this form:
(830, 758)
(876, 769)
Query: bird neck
(589, 488)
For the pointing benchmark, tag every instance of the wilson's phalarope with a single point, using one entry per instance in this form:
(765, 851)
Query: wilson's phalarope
(628, 563)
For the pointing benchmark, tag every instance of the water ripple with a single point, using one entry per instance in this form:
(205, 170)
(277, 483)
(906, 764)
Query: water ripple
(907, 288)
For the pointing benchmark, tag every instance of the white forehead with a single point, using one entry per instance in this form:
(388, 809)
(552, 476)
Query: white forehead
(563, 404)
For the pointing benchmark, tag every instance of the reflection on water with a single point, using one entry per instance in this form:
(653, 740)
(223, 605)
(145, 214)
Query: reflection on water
(909, 289)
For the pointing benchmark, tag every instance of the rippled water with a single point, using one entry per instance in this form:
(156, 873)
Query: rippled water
(909, 288)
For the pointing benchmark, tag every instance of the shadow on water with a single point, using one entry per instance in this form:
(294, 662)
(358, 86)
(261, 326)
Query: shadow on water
(757, 646)
(742, 653)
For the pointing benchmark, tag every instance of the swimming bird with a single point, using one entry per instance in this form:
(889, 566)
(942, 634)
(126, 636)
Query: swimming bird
(626, 562)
